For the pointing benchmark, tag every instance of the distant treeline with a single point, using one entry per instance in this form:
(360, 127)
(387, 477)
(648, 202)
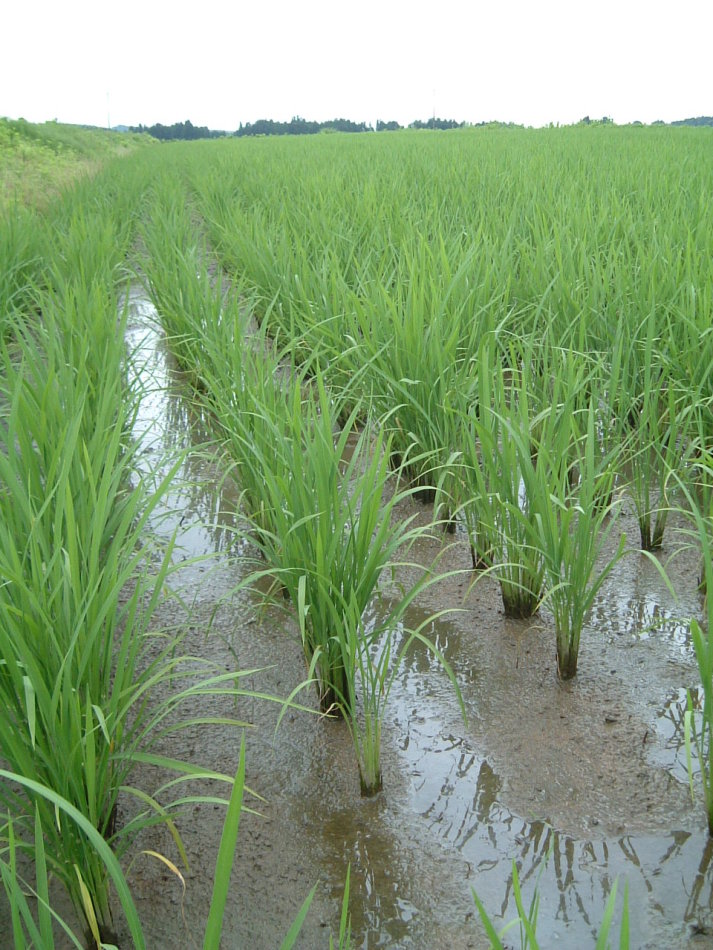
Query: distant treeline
(299, 126)
(179, 130)
(296, 126)
(700, 120)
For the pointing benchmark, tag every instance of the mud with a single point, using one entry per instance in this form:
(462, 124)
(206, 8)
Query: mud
(579, 783)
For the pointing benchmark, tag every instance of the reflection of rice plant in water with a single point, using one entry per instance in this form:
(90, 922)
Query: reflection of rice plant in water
(699, 738)
(526, 919)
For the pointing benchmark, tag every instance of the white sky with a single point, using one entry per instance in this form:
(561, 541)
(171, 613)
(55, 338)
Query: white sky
(220, 63)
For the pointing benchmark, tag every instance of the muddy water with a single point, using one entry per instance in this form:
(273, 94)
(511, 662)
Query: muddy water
(579, 784)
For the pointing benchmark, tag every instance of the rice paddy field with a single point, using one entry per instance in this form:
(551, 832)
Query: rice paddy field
(356, 507)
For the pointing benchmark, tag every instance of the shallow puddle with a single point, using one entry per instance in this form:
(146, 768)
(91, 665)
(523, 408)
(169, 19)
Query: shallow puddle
(200, 507)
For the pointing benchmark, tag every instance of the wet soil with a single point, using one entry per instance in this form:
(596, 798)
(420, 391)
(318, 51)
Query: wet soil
(579, 783)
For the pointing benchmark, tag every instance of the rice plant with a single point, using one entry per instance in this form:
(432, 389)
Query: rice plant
(174, 269)
(699, 738)
(331, 534)
(80, 584)
(35, 921)
(419, 370)
(36, 927)
(494, 501)
(376, 657)
(22, 238)
(654, 419)
(571, 523)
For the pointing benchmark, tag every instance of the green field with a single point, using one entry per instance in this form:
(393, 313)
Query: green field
(512, 328)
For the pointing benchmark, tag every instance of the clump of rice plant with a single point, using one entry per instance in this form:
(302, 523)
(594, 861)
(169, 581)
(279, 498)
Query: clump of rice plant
(494, 501)
(419, 368)
(572, 520)
(376, 654)
(331, 534)
(36, 926)
(81, 582)
(322, 504)
(174, 270)
(652, 418)
(21, 251)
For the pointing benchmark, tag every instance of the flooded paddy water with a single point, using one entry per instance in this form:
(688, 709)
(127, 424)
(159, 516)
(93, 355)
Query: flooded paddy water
(579, 783)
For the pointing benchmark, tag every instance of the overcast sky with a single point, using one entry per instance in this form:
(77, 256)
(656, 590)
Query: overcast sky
(220, 63)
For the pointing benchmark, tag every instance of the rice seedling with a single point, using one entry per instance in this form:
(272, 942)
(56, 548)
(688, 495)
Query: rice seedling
(323, 525)
(418, 370)
(376, 660)
(174, 270)
(37, 928)
(495, 505)
(89, 244)
(35, 921)
(380, 265)
(248, 385)
(334, 536)
(21, 247)
(80, 583)
(321, 511)
(66, 516)
(571, 524)
(699, 486)
(331, 533)
(653, 418)
(695, 739)
(344, 935)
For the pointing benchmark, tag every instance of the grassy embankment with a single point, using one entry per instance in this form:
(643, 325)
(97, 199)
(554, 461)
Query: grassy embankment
(38, 160)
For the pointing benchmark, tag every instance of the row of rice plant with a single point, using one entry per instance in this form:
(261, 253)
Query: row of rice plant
(575, 277)
(82, 675)
(318, 490)
(525, 351)
(411, 337)
(400, 301)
